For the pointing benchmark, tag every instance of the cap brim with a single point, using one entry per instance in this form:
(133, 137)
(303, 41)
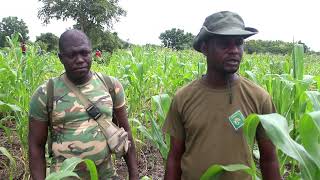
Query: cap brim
(204, 33)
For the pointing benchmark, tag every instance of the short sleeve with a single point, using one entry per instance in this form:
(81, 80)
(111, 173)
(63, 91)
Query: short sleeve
(268, 106)
(119, 100)
(173, 124)
(38, 104)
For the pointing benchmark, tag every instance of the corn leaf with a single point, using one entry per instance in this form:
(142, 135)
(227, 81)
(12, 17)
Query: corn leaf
(215, 171)
(310, 134)
(68, 167)
(277, 130)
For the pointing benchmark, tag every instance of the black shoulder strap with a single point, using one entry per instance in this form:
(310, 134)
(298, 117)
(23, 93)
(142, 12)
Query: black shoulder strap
(49, 110)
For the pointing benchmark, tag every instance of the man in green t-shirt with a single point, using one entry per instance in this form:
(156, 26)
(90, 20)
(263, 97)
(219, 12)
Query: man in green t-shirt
(75, 132)
(206, 116)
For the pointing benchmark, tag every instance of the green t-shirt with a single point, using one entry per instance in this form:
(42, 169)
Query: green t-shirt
(200, 116)
(75, 134)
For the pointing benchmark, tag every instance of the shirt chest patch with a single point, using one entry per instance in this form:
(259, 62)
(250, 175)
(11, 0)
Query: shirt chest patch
(237, 120)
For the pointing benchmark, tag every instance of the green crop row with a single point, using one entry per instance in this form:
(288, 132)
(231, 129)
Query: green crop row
(150, 77)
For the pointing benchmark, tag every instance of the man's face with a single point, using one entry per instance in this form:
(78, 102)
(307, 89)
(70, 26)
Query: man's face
(76, 57)
(224, 53)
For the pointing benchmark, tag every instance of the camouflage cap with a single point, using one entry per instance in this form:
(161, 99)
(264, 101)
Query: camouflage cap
(222, 23)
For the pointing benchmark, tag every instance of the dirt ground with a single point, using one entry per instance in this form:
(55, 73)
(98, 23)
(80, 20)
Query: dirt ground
(150, 162)
(13, 145)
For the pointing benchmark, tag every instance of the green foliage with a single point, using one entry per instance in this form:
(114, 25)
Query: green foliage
(160, 108)
(277, 130)
(215, 171)
(20, 76)
(68, 167)
(9, 26)
(109, 42)
(87, 14)
(176, 39)
(49, 40)
(91, 16)
(298, 63)
(309, 128)
(146, 178)
(12, 167)
(148, 73)
(274, 47)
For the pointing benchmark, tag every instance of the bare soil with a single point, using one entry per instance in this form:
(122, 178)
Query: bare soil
(13, 145)
(150, 163)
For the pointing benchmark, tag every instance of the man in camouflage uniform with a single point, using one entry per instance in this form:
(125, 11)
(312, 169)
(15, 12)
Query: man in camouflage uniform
(74, 133)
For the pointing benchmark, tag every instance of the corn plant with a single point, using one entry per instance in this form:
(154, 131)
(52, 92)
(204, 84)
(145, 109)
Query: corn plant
(68, 166)
(154, 134)
(147, 74)
(12, 166)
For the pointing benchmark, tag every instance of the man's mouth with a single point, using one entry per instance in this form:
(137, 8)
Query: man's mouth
(232, 61)
(80, 69)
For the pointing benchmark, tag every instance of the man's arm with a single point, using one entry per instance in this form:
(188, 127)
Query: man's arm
(268, 157)
(130, 157)
(173, 169)
(38, 132)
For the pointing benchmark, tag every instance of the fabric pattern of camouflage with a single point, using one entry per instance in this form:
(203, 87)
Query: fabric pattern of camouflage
(75, 134)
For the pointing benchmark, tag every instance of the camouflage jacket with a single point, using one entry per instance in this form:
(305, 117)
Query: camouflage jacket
(74, 133)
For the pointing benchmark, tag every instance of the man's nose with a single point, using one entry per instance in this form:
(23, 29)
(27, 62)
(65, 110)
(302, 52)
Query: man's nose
(79, 58)
(234, 48)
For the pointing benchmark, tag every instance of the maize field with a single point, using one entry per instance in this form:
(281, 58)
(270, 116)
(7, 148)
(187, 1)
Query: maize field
(150, 76)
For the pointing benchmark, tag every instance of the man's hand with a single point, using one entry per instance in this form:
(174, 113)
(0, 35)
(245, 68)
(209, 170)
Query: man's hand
(121, 120)
(268, 156)
(38, 132)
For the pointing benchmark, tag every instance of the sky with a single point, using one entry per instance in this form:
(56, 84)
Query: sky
(146, 19)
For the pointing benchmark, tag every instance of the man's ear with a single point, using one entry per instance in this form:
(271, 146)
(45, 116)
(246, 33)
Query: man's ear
(204, 48)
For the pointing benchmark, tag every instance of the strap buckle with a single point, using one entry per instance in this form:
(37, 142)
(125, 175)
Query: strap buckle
(93, 112)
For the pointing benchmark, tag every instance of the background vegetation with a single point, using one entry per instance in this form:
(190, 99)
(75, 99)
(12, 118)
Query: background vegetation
(150, 75)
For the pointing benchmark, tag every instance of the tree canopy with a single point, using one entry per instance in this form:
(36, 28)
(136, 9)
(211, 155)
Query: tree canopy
(176, 39)
(88, 14)
(48, 41)
(110, 42)
(10, 25)
(274, 47)
(91, 16)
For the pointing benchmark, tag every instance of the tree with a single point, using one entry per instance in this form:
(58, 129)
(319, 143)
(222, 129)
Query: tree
(10, 25)
(91, 16)
(176, 39)
(88, 14)
(110, 42)
(274, 47)
(49, 40)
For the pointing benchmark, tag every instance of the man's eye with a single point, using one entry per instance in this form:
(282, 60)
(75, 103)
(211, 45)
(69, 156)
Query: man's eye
(239, 42)
(84, 53)
(224, 44)
(70, 55)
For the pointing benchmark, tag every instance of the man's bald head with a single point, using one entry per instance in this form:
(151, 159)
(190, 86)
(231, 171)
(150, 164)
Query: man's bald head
(70, 36)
